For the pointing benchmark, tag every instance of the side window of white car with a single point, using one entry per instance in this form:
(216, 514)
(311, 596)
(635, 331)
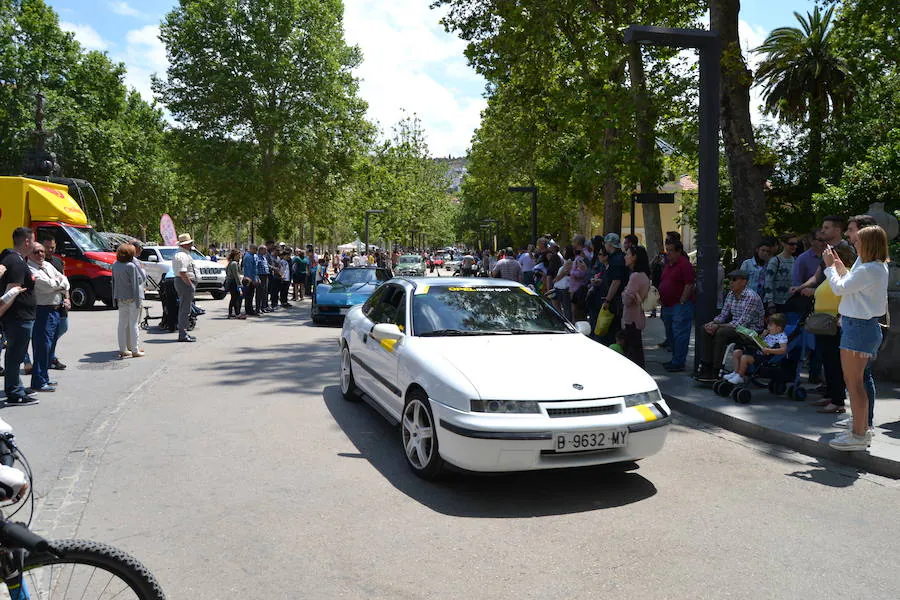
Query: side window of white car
(390, 307)
(373, 302)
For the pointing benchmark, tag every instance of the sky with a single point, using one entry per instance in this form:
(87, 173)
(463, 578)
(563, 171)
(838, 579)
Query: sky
(411, 66)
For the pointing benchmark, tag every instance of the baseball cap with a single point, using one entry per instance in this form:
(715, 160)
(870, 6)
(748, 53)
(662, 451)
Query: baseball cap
(612, 239)
(738, 274)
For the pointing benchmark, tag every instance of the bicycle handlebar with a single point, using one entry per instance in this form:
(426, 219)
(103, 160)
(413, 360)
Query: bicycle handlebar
(17, 535)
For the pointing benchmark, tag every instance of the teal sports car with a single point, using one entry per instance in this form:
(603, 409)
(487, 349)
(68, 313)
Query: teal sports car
(352, 286)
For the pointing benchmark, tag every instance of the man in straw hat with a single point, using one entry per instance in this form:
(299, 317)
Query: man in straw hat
(185, 284)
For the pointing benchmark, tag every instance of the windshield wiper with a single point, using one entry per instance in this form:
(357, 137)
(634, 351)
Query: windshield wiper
(519, 331)
(460, 332)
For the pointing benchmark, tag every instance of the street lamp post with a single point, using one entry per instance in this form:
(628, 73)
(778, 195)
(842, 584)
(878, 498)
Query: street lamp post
(533, 190)
(710, 49)
(495, 229)
(370, 212)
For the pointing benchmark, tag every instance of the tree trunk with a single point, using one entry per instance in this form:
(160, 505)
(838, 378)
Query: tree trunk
(612, 208)
(814, 156)
(747, 177)
(645, 121)
(584, 218)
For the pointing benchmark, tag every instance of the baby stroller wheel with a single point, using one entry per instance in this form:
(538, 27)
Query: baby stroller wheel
(779, 388)
(797, 393)
(717, 388)
(741, 395)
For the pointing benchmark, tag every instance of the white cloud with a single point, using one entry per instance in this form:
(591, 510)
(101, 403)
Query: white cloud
(411, 64)
(144, 55)
(86, 35)
(126, 10)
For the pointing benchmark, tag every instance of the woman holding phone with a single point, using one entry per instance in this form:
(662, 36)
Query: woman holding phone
(863, 292)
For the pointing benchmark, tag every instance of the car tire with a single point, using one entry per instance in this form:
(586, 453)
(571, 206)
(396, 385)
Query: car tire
(218, 294)
(348, 384)
(82, 295)
(418, 437)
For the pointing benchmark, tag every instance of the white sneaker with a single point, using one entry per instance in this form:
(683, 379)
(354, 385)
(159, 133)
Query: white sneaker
(850, 442)
(845, 423)
(736, 378)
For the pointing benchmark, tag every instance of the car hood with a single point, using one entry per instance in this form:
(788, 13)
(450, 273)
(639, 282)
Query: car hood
(545, 367)
(349, 295)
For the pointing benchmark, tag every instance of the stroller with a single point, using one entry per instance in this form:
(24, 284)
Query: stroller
(168, 297)
(780, 374)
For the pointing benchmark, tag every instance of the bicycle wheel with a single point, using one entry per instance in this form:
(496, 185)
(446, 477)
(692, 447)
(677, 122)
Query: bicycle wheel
(88, 570)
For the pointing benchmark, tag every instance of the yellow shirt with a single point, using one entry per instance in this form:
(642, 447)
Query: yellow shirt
(826, 300)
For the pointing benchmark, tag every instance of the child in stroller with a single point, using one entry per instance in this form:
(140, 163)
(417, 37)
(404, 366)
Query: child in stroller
(742, 358)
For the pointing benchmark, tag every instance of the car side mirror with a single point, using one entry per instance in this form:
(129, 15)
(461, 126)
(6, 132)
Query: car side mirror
(583, 327)
(386, 331)
(153, 258)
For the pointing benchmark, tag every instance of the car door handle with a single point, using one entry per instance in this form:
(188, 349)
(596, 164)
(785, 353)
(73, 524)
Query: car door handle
(365, 338)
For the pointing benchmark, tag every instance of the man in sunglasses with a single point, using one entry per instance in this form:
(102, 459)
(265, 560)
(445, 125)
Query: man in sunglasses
(806, 265)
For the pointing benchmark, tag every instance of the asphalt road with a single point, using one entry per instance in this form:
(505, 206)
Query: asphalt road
(233, 467)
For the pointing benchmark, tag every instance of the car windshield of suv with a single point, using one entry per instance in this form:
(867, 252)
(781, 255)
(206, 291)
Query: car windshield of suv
(87, 239)
(410, 260)
(352, 276)
(167, 253)
(483, 310)
(196, 254)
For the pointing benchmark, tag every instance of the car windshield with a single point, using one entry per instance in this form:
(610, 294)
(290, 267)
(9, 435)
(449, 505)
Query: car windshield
(405, 260)
(167, 253)
(197, 255)
(449, 310)
(87, 239)
(351, 276)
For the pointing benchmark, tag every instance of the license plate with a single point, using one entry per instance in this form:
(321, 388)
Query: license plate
(343, 311)
(209, 278)
(579, 441)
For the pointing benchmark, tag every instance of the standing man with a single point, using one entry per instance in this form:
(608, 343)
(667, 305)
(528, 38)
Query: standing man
(185, 284)
(50, 290)
(614, 279)
(18, 320)
(49, 243)
(251, 279)
(508, 267)
(262, 273)
(526, 261)
(676, 293)
(833, 235)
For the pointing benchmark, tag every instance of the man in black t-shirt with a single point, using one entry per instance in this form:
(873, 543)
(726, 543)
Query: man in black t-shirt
(614, 280)
(18, 321)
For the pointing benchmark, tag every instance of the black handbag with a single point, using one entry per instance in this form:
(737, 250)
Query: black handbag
(821, 324)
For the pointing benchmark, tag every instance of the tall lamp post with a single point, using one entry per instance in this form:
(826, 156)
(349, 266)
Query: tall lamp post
(533, 190)
(710, 49)
(371, 212)
(494, 224)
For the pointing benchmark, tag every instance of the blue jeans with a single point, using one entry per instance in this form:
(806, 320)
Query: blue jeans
(46, 322)
(678, 320)
(61, 330)
(18, 336)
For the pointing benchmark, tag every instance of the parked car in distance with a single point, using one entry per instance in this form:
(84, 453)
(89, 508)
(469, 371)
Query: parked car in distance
(412, 265)
(158, 261)
(352, 286)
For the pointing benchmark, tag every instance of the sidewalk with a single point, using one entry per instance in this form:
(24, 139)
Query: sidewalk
(777, 419)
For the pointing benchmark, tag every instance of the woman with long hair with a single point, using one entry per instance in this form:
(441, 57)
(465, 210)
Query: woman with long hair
(863, 292)
(636, 290)
(233, 280)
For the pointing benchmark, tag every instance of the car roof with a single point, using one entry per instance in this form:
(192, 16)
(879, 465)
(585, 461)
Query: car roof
(457, 281)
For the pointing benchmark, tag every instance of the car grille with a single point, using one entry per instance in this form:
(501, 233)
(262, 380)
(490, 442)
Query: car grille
(583, 411)
(211, 271)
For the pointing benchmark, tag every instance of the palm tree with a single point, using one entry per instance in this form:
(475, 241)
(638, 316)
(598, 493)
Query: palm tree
(805, 80)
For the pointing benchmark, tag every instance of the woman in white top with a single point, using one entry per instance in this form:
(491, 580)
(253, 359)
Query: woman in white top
(863, 292)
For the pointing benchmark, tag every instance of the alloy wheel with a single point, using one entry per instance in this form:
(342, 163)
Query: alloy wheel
(418, 434)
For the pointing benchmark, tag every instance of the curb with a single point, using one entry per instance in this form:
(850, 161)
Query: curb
(861, 460)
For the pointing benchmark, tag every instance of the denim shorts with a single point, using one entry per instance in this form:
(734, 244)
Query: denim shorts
(861, 335)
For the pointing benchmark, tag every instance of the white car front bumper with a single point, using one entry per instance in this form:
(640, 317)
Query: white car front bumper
(496, 443)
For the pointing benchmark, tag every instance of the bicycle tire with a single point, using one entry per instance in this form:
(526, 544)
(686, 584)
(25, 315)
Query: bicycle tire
(117, 563)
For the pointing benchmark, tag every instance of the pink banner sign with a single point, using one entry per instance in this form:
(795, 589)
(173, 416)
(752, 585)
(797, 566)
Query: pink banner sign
(167, 231)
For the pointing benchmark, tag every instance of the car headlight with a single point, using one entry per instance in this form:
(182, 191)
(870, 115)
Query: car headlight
(100, 263)
(505, 406)
(643, 398)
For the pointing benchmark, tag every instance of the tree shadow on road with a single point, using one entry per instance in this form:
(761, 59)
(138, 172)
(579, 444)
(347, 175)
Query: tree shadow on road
(512, 495)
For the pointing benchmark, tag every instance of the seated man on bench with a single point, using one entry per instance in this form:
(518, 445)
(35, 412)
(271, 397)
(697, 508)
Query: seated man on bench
(743, 308)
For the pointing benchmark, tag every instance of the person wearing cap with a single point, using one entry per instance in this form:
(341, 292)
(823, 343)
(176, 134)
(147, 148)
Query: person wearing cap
(185, 284)
(614, 280)
(743, 308)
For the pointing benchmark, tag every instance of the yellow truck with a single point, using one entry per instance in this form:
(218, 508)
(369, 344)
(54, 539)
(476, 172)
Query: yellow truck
(48, 207)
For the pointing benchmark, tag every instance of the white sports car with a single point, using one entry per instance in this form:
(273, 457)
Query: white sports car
(485, 375)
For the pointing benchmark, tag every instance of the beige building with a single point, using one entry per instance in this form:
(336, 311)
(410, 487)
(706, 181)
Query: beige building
(669, 213)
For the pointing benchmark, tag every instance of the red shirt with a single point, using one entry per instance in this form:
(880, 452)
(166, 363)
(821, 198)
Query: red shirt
(674, 278)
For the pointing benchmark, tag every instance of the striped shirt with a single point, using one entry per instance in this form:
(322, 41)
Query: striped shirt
(746, 311)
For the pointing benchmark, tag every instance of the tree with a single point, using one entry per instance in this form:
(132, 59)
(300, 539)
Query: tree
(747, 166)
(274, 75)
(805, 81)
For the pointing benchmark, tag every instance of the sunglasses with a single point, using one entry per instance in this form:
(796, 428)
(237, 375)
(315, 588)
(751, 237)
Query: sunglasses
(791, 243)
(38, 253)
